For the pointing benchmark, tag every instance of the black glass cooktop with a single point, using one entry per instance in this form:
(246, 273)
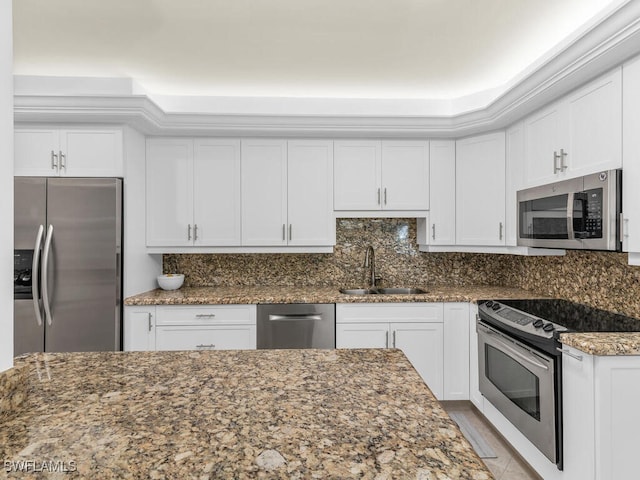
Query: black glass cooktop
(575, 316)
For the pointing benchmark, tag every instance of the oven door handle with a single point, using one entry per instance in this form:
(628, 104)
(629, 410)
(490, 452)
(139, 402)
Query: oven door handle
(514, 351)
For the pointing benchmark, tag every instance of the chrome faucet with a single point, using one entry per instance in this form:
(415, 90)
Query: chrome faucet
(370, 262)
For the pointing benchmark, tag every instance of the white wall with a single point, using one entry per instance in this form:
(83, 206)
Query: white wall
(6, 185)
(140, 269)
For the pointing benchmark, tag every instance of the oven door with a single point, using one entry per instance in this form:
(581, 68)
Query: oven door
(519, 382)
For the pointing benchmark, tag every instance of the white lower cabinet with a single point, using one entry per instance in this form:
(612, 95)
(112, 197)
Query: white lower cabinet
(456, 351)
(139, 328)
(190, 327)
(415, 328)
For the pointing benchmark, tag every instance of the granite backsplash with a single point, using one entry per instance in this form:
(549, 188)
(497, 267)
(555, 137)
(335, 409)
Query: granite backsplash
(599, 279)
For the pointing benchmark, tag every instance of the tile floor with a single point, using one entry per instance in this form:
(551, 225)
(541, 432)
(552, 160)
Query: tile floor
(508, 465)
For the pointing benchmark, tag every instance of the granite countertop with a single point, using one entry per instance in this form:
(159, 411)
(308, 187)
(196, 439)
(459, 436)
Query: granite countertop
(604, 343)
(281, 294)
(234, 414)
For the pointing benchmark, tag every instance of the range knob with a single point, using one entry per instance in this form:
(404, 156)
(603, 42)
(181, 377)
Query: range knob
(488, 303)
(548, 327)
(538, 323)
(496, 306)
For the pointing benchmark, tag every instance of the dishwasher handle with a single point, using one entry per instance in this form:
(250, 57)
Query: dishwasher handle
(310, 316)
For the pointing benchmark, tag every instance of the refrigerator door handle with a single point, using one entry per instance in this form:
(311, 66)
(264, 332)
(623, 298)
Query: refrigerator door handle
(45, 272)
(35, 270)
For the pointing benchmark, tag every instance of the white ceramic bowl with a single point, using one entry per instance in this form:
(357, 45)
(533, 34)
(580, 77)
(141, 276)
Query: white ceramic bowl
(171, 281)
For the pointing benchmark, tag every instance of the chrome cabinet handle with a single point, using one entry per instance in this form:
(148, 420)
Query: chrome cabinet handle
(206, 315)
(563, 154)
(54, 161)
(386, 342)
(556, 156)
(211, 346)
(433, 231)
(378, 196)
(195, 232)
(35, 277)
(394, 339)
(149, 321)
(63, 164)
(568, 352)
(284, 232)
(624, 227)
(45, 274)
(501, 228)
(385, 195)
(189, 232)
(290, 232)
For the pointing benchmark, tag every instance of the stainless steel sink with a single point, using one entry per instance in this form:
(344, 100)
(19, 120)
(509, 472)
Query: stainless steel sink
(382, 291)
(400, 291)
(358, 291)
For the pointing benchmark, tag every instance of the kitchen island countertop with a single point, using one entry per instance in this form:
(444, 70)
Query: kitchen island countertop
(234, 414)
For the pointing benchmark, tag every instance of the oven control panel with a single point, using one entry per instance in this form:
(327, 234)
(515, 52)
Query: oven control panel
(519, 320)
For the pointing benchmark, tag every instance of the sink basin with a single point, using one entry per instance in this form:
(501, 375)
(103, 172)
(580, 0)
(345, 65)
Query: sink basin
(381, 291)
(358, 291)
(400, 291)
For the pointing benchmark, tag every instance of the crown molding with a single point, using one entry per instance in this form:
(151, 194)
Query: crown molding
(600, 48)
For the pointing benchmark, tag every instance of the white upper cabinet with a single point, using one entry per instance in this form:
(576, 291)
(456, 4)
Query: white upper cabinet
(631, 162)
(287, 193)
(216, 192)
(514, 180)
(442, 202)
(480, 190)
(310, 193)
(577, 135)
(169, 167)
(381, 175)
(405, 175)
(264, 192)
(357, 175)
(72, 153)
(193, 192)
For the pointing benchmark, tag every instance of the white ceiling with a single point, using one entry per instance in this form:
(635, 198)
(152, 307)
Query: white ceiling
(403, 49)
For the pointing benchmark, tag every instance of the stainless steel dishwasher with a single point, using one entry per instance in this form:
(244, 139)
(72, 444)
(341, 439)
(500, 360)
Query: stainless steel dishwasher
(299, 325)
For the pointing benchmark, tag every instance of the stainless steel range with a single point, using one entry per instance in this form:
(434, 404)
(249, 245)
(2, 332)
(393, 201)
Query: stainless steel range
(520, 365)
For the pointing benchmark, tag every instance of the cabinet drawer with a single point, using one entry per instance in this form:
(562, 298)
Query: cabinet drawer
(206, 315)
(219, 337)
(389, 312)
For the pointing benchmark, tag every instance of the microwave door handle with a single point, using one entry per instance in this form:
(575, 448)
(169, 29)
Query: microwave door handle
(570, 198)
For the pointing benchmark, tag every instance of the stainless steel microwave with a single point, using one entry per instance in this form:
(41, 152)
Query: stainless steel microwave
(579, 213)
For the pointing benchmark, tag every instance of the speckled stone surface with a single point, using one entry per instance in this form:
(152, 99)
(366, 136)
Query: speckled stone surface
(13, 391)
(602, 343)
(279, 294)
(236, 414)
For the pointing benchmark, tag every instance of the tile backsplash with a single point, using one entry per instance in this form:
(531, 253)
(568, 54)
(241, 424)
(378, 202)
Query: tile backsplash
(600, 279)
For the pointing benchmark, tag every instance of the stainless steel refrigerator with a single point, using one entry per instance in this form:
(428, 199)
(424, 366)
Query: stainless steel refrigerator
(67, 264)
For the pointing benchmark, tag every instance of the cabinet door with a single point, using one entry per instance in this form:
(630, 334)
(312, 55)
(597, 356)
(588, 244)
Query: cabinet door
(264, 192)
(362, 335)
(578, 417)
(515, 156)
(139, 329)
(480, 190)
(357, 170)
(91, 153)
(543, 133)
(422, 344)
(631, 157)
(219, 337)
(405, 175)
(442, 179)
(456, 351)
(36, 153)
(594, 123)
(310, 193)
(216, 192)
(169, 174)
